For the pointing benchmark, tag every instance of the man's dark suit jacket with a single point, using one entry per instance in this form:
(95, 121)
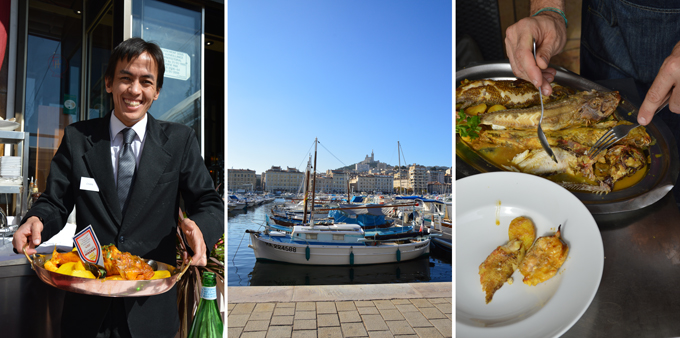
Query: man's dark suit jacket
(170, 165)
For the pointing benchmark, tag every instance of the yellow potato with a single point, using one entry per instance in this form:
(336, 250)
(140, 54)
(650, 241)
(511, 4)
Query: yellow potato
(495, 108)
(522, 228)
(474, 110)
(79, 266)
(49, 266)
(161, 274)
(82, 274)
(66, 268)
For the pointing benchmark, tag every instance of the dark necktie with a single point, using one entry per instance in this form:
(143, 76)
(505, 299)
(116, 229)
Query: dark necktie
(126, 167)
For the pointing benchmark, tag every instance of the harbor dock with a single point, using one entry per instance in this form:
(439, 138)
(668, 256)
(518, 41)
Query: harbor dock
(366, 310)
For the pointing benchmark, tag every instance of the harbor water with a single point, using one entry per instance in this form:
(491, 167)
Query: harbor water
(244, 270)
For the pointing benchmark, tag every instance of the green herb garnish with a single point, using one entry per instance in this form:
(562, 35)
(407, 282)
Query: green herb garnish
(468, 126)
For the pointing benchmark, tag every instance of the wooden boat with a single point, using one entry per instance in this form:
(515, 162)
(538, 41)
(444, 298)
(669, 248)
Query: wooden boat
(337, 244)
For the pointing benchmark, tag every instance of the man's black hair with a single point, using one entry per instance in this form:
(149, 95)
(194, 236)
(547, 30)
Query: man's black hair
(132, 48)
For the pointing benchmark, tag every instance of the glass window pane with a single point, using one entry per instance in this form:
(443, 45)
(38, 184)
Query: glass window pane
(100, 46)
(177, 30)
(52, 81)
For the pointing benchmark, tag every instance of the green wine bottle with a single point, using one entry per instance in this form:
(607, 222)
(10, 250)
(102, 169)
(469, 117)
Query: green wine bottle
(207, 322)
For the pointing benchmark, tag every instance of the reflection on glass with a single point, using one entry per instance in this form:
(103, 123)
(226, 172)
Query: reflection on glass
(100, 46)
(52, 81)
(177, 30)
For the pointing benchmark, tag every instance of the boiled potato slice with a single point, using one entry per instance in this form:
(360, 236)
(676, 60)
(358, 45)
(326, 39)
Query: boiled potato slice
(474, 110)
(82, 274)
(49, 266)
(66, 268)
(522, 228)
(495, 107)
(79, 266)
(161, 274)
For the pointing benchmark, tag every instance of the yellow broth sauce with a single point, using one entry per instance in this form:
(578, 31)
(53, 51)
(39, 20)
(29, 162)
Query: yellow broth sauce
(502, 156)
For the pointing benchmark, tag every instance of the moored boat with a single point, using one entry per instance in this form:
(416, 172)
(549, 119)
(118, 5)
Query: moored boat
(338, 244)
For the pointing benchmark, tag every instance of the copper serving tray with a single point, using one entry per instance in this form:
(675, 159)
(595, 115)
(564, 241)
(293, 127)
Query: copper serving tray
(663, 169)
(107, 288)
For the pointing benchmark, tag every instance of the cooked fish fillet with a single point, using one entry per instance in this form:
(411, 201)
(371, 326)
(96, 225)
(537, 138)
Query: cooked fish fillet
(581, 109)
(578, 139)
(538, 162)
(499, 266)
(509, 93)
(543, 259)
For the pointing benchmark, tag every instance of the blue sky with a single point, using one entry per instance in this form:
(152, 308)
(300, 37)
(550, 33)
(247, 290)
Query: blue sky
(359, 75)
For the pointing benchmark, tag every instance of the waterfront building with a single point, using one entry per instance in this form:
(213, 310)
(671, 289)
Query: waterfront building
(435, 176)
(364, 183)
(400, 181)
(416, 178)
(373, 183)
(241, 179)
(277, 179)
(323, 184)
(438, 188)
(339, 178)
(384, 183)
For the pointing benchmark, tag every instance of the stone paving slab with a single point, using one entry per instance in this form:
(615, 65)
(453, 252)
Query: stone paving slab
(305, 314)
(328, 320)
(311, 312)
(345, 306)
(337, 293)
(349, 316)
(329, 332)
(279, 320)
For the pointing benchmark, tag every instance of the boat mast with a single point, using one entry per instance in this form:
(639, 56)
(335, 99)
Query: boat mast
(311, 214)
(347, 179)
(399, 156)
(304, 210)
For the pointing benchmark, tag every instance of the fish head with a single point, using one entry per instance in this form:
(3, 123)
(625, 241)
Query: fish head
(597, 106)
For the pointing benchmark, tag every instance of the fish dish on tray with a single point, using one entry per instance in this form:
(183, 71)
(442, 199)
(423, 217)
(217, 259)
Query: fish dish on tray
(498, 119)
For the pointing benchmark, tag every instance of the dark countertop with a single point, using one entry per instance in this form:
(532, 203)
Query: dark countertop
(638, 294)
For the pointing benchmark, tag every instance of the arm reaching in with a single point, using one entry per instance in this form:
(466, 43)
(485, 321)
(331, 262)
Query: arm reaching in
(550, 32)
(194, 237)
(29, 232)
(667, 82)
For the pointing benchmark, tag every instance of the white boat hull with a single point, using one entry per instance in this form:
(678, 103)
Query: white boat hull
(386, 252)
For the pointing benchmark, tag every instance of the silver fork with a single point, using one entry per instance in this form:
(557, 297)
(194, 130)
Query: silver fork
(541, 134)
(617, 133)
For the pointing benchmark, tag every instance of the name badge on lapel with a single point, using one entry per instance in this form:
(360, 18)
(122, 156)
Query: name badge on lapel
(88, 183)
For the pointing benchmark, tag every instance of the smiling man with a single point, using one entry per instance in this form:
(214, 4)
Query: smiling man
(125, 173)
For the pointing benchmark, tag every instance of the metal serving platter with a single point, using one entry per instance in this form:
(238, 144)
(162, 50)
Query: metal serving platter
(107, 288)
(662, 172)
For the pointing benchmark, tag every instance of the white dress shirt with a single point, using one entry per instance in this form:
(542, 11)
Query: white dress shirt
(117, 140)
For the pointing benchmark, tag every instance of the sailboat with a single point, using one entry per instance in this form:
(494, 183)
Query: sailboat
(334, 244)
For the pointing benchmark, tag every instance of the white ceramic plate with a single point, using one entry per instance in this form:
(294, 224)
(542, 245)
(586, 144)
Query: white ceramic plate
(8, 125)
(518, 310)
